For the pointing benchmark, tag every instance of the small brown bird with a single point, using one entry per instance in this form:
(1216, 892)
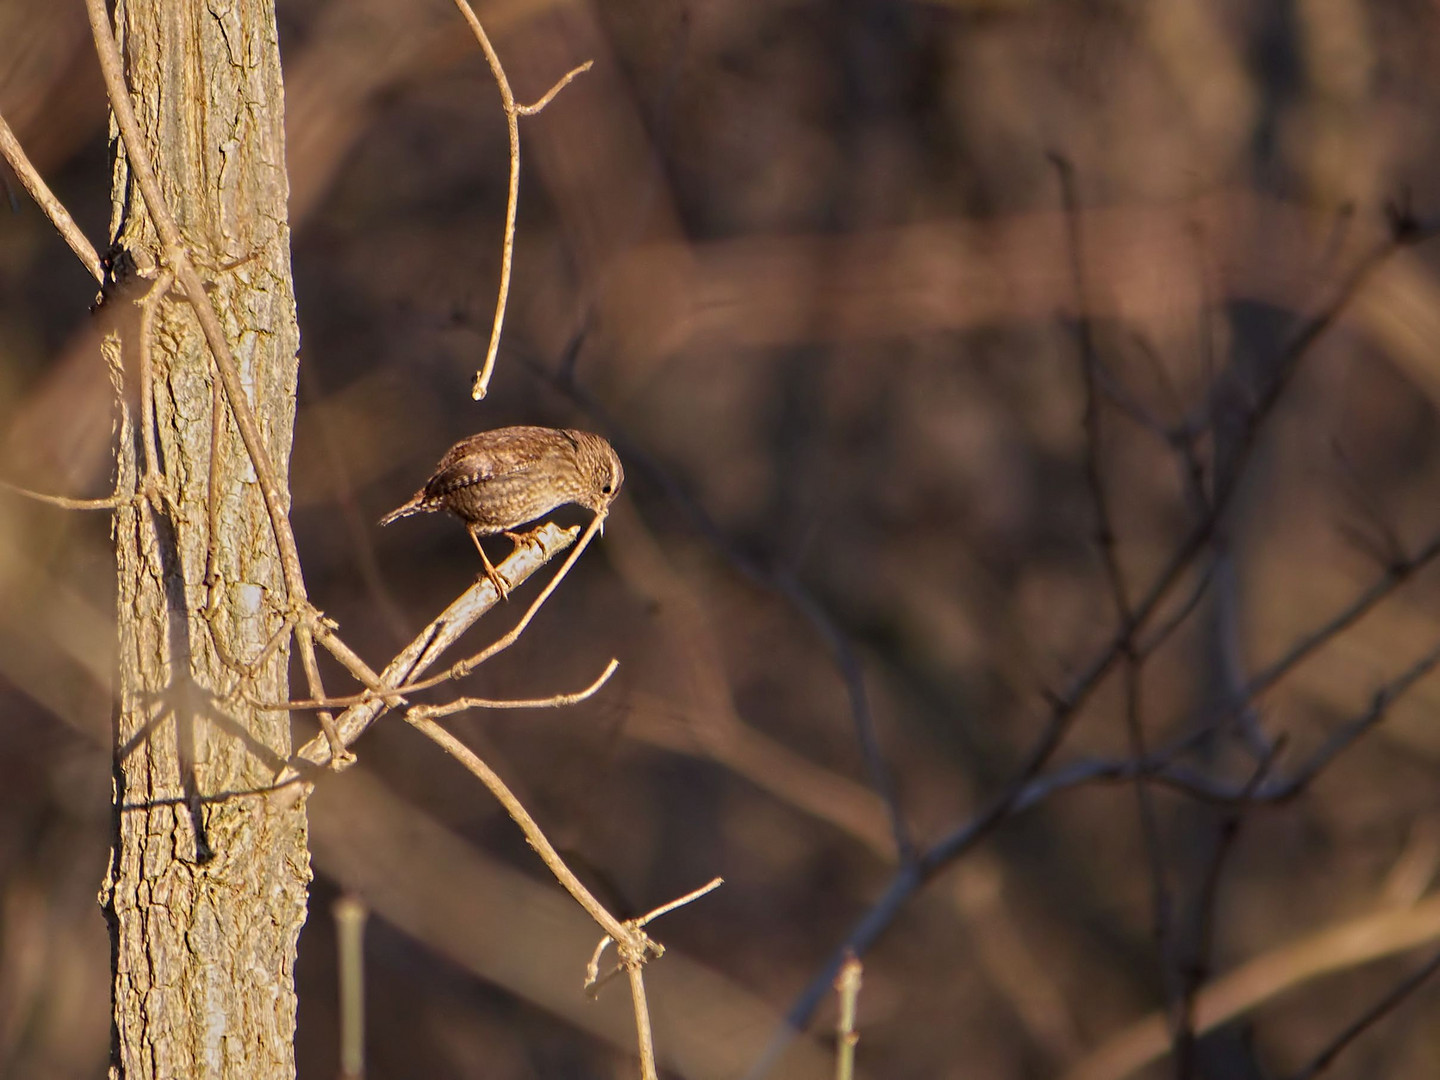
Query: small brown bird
(498, 480)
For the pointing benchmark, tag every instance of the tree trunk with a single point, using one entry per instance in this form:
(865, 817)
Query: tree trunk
(206, 890)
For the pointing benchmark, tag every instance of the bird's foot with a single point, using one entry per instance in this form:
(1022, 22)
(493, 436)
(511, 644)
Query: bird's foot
(490, 574)
(519, 538)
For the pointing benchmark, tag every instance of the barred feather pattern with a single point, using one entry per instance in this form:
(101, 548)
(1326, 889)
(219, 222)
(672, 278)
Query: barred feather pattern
(498, 480)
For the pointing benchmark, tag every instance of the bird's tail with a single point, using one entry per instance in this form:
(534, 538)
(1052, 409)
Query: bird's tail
(416, 505)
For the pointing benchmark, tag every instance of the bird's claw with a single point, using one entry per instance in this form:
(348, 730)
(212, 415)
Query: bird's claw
(521, 538)
(490, 574)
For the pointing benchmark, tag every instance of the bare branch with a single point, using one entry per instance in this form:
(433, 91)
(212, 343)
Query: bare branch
(339, 756)
(1193, 969)
(643, 1035)
(533, 834)
(1106, 539)
(1395, 575)
(1341, 740)
(1376, 1012)
(689, 898)
(376, 687)
(634, 945)
(1265, 977)
(65, 502)
(421, 654)
(847, 987)
(1030, 788)
(635, 949)
(350, 915)
(1161, 633)
(556, 701)
(593, 978)
(53, 208)
(549, 95)
(513, 112)
(470, 663)
(1090, 368)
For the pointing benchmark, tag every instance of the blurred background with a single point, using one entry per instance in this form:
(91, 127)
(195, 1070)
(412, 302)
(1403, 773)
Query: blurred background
(809, 266)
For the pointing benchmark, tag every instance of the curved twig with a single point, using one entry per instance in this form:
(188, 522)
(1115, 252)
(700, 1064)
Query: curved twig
(513, 112)
(555, 701)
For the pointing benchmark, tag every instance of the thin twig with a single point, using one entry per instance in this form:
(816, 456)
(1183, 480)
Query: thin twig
(848, 664)
(1194, 972)
(635, 946)
(534, 836)
(350, 916)
(1089, 369)
(64, 501)
(679, 902)
(52, 207)
(1395, 575)
(635, 949)
(365, 675)
(643, 1035)
(847, 987)
(1182, 436)
(340, 757)
(1161, 634)
(513, 112)
(1384, 545)
(553, 702)
(1337, 947)
(549, 95)
(1387, 1003)
(1107, 541)
(1380, 705)
(469, 664)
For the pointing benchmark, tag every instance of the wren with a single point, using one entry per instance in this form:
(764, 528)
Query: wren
(496, 481)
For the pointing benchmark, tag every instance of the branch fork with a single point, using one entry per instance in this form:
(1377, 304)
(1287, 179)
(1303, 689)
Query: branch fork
(636, 947)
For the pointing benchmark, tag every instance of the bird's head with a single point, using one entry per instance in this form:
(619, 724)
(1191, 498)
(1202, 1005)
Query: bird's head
(601, 469)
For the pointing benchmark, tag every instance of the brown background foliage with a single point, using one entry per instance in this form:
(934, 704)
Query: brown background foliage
(807, 264)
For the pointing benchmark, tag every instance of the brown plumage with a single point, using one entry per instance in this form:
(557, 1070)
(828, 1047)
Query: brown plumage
(498, 480)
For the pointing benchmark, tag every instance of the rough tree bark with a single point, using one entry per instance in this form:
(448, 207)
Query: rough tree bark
(206, 891)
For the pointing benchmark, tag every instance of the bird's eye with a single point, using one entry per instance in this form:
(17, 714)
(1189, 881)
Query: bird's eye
(605, 488)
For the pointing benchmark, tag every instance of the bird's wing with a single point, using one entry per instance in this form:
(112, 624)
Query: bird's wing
(502, 452)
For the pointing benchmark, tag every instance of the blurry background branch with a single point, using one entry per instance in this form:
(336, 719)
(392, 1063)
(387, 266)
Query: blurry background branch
(824, 280)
